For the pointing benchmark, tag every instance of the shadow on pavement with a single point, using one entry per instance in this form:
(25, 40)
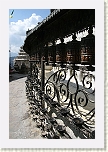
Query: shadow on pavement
(16, 76)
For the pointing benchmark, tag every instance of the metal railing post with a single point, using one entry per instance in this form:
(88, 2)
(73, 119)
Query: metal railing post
(42, 81)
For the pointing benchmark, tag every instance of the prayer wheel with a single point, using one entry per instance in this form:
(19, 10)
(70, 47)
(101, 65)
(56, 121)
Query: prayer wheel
(52, 54)
(73, 51)
(61, 52)
(38, 57)
(88, 48)
(44, 53)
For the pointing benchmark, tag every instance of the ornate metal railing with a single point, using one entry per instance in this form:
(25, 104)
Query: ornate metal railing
(69, 93)
(65, 107)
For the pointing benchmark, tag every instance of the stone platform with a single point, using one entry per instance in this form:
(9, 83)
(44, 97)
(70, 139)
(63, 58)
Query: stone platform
(21, 126)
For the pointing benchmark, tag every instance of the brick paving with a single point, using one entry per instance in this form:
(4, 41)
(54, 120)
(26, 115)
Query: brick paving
(21, 125)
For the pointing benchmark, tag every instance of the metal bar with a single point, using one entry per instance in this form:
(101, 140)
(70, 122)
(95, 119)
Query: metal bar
(30, 69)
(42, 74)
(42, 81)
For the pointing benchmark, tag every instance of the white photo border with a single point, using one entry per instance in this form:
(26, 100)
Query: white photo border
(98, 142)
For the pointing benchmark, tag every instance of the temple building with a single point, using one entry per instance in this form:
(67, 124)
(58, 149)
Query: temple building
(21, 59)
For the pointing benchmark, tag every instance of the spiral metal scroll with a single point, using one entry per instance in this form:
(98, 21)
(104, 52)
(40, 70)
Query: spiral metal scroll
(71, 95)
(83, 108)
(59, 90)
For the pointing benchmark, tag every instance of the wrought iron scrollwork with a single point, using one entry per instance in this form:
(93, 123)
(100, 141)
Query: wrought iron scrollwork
(73, 95)
(88, 81)
(70, 98)
(82, 107)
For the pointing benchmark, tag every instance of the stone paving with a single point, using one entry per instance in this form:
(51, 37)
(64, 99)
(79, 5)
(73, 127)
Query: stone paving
(21, 125)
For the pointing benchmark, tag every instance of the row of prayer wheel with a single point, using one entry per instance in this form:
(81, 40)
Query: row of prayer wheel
(74, 52)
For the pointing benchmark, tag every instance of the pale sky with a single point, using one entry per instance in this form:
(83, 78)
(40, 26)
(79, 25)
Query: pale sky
(22, 20)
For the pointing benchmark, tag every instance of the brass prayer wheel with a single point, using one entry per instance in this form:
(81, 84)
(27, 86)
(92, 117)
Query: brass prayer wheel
(88, 49)
(61, 52)
(44, 53)
(73, 51)
(38, 57)
(38, 54)
(52, 54)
